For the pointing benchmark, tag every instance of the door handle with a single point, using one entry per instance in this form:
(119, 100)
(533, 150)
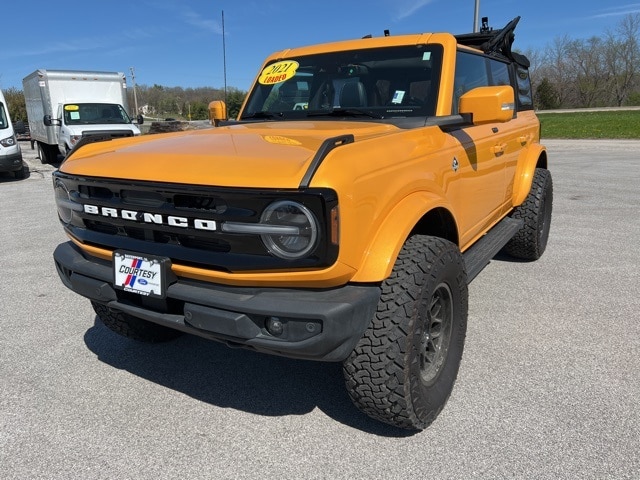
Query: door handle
(524, 139)
(499, 149)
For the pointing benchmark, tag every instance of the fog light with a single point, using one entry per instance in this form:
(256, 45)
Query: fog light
(274, 326)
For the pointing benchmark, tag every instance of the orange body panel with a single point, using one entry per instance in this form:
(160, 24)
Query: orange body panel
(386, 180)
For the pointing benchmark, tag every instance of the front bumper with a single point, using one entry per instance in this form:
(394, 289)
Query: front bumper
(319, 324)
(11, 162)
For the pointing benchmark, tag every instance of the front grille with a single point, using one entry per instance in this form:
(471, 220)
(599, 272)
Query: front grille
(177, 221)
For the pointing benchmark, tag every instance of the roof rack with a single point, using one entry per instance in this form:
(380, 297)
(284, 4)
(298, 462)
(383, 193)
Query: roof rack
(495, 42)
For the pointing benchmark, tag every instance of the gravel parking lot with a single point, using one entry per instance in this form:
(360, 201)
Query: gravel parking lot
(548, 387)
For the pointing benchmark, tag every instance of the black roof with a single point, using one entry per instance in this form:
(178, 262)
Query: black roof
(495, 42)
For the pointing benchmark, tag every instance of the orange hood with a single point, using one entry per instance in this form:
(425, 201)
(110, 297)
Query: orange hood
(266, 155)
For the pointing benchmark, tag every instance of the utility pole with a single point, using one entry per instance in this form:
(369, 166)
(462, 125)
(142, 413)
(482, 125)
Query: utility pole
(135, 96)
(476, 17)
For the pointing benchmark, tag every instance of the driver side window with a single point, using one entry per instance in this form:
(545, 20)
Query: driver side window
(471, 72)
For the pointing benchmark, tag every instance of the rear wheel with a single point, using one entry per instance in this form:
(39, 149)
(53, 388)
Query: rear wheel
(530, 242)
(403, 369)
(43, 153)
(47, 153)
(133, 327)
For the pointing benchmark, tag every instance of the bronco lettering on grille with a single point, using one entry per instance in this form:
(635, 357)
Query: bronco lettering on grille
(151, 218)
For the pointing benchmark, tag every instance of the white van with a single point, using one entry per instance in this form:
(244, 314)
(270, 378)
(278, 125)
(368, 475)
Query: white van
(10, 153)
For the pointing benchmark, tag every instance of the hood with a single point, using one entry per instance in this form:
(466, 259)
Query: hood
(252, 155)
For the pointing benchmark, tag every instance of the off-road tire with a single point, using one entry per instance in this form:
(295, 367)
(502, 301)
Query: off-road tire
(530, 242)
(404, 367)
(132, 327)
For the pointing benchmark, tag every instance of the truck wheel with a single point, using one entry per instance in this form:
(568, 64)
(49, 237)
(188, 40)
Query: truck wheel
(132, 327)
(403, 369)
(530, 242)
(43, 153)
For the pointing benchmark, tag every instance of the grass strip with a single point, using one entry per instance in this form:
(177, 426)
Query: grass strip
(618, 124)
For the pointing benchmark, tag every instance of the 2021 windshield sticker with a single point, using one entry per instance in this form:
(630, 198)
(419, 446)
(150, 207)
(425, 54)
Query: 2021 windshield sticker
(278, 72)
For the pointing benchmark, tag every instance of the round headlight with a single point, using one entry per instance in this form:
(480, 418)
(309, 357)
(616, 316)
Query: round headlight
(300, 229)
(63, 201)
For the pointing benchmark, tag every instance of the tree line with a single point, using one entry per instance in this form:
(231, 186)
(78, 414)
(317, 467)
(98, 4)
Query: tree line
(156, 102)
(601, 71)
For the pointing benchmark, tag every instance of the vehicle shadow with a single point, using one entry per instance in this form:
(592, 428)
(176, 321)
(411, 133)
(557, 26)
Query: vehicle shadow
(234, 378)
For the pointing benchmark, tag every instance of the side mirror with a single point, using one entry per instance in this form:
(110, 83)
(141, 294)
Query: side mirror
(488, 104)
(48, 121)
(217, 112)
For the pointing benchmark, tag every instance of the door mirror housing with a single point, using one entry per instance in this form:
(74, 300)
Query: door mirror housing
(217, 112)
(488, 104)
(48, 121)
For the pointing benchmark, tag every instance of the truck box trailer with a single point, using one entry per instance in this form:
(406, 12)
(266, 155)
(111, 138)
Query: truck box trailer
(64, 106)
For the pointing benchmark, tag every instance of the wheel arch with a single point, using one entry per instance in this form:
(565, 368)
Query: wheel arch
(428, 216)
(534, 157)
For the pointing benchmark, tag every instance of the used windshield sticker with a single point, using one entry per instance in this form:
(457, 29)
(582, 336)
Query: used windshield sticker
(397, 97)
(278, 72)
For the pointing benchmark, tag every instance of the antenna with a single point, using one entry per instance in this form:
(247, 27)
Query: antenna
(224, 60)
(476, 16)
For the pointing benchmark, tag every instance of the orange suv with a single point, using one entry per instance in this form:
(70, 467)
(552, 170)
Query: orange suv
(339, 218)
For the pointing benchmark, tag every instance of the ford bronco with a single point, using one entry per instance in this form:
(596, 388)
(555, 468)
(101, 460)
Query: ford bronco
(340, 217)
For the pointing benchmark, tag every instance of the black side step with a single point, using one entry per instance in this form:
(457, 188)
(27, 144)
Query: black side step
(481, 253)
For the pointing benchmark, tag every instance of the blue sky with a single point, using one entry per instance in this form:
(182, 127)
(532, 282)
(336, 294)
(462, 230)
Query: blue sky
(180, 43)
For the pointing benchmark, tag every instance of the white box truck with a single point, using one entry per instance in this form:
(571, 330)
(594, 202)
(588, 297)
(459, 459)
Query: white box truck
(65, 106)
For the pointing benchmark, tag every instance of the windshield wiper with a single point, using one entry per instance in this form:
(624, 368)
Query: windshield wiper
(263, 115)
(345, 112)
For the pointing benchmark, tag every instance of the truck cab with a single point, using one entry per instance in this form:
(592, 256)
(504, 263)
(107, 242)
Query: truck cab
(77, 119)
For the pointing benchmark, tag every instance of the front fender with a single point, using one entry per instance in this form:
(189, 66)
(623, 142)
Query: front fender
(384, 247)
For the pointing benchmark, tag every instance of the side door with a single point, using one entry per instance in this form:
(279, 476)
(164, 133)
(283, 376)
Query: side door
(481, 168)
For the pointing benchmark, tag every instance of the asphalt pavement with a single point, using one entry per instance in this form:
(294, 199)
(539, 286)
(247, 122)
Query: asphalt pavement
(548, 387)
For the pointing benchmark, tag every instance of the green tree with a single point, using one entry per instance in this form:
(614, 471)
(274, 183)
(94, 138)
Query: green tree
(16, 104)
(235, 98)
(546, 95)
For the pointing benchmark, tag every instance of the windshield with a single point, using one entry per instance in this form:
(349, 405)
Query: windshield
(392, 82)
(94, 113)
(4, 123)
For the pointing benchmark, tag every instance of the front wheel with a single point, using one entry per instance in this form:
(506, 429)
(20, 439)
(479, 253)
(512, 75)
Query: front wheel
(22, 173)
(403, 369)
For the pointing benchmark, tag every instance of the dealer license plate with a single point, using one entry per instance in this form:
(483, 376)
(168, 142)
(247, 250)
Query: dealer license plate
(144, 275)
